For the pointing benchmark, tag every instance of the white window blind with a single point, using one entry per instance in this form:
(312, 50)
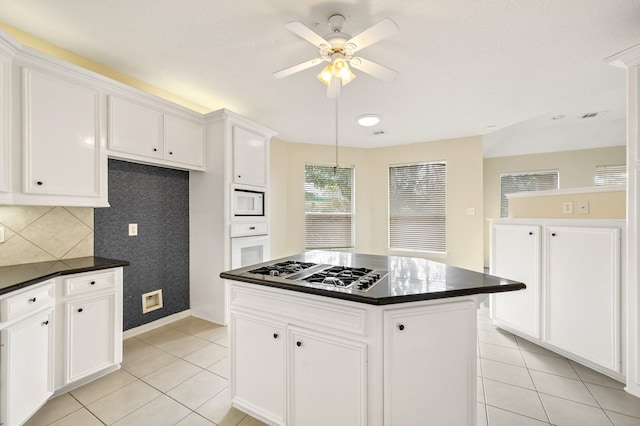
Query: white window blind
(611, 175)
(418, 207)
(328, 206)
(526, 181)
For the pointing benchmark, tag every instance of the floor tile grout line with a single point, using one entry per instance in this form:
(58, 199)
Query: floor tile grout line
(515, 412)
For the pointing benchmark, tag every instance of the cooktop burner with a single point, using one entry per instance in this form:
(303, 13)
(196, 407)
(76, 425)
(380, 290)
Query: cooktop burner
(344, 277)
(283, 268)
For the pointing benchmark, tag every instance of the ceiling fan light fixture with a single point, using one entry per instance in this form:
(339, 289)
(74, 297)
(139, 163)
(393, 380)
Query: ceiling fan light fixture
(326, 74)
(368, 120)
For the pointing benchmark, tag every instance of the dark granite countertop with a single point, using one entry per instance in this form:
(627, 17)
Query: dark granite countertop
(409, 280)
(16, 277)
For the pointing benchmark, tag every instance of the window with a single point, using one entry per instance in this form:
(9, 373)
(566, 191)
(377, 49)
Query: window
(526, 181)
(611, 175)
(417, 207)
(328, 207)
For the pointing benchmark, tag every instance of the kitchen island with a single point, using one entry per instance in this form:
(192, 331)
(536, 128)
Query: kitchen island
(332, 338)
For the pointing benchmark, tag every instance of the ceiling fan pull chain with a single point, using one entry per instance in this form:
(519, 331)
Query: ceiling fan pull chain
(335, 168)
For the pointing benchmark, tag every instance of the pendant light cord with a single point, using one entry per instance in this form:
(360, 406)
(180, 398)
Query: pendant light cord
(335, 168)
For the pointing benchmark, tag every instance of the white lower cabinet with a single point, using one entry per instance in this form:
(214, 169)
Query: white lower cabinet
(430, 365)
(27, 367)
(89, 331)
(305, 360)
(327, 379)
(516, 255)
(574, 287)
(258, 380)
(57, 335)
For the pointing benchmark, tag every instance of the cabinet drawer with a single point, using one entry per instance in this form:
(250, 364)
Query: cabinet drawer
(244, 229)
(79, 284)
(28, 301)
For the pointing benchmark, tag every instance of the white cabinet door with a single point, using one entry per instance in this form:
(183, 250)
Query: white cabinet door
(327, 380)
(583, 292)
(135, 129)
(249, 157)
(516, 256)
(5, 135)
(183, 141)
(430, 365)
(89, 342)
(61, 136)
(257, 366)
(27, 367)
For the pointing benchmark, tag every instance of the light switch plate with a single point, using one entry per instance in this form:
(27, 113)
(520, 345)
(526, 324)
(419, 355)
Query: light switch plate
(133, 229)
(1, 234)
(471, 211)
(567, 207)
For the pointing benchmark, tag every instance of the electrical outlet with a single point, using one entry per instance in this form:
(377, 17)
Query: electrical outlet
(471, 211)
(133, 229)
(1, 234)
(567, 207)
(583, 207)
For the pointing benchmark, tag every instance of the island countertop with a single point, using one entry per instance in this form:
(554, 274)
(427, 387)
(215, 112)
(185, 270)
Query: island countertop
(15, 277)
(409, 279)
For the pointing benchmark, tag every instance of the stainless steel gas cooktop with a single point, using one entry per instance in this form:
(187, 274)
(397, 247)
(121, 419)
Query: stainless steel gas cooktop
(331, 276)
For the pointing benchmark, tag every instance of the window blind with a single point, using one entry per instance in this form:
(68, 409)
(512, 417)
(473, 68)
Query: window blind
(611, 175)
(418, 207)
(526, 181)
(328, 206)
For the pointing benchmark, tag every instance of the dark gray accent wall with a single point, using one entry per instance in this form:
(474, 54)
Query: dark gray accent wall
(157, 199)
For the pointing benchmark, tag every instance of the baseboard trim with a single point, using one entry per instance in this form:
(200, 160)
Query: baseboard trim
(155, 324)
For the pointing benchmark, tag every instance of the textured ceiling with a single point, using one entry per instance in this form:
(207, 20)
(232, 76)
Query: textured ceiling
(463, 64)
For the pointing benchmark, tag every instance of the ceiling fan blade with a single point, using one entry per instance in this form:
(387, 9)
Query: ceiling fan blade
(333, 89)
(376, 70)
(307, 34)
(377, 32)
(297, 68)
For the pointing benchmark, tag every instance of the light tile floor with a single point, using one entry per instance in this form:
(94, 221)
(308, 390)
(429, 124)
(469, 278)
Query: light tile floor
(178, 375)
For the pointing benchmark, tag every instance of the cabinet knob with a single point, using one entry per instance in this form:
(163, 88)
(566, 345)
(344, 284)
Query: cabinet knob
(45, 322)
(80, 310)
(553, 235)
(530, 233)
(170, 153)
(155, 149)
(298, 343)
(39, 182)
(239, 176)
(275, 335)
(401, 327)
(32, 300)
(93, 283)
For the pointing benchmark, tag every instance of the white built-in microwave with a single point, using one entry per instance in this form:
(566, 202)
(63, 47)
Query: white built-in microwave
(247, 202)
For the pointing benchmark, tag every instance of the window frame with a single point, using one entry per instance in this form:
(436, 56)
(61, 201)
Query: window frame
(523, 173)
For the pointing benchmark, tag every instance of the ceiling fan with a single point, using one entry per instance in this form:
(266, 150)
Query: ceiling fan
(338, 49)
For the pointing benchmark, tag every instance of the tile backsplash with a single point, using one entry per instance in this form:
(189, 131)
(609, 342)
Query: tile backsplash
(39, 234)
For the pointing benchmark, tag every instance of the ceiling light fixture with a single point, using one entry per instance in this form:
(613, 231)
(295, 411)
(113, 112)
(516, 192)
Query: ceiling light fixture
(368, 120)
(338, 68)
(557, 117)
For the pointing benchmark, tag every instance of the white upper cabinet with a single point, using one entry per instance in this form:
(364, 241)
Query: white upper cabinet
(183, 141)
(62, 158)
(134, 129)
(249, 157)
(146, 133)
(5, 135)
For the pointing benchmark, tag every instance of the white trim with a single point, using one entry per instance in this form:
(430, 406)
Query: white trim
(132, 332)
(568, 191)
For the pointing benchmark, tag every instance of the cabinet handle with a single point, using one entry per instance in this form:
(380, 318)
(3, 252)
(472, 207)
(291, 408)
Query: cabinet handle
(32, 300)
(401, 327)
(39, 182)
(80, 310)
(275, 335)
(93, 282)
(298, 343)
(45, 322)
(252, 228)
